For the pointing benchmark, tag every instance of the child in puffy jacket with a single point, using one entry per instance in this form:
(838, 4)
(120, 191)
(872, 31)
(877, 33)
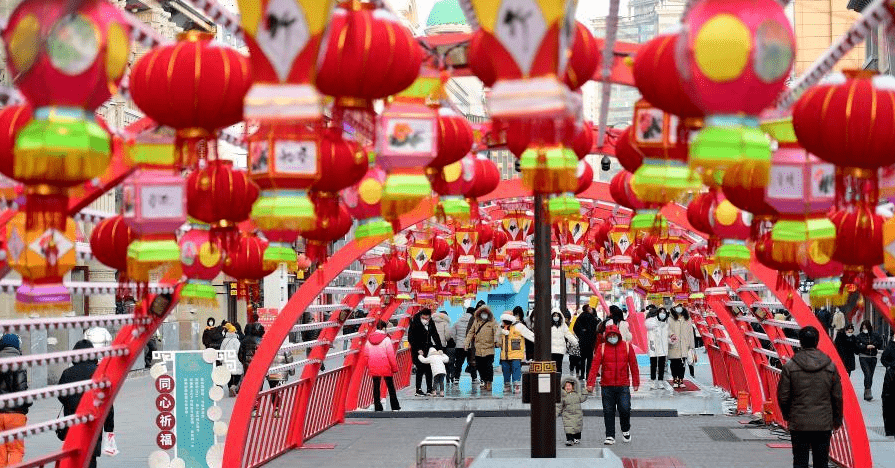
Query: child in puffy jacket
(570, 409)
(382, 364)
(438, 361)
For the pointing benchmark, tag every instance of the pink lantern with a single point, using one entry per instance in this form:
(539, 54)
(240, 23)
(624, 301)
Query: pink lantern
(154, 208)
(201, 258)
(363, 201)
(800, 183)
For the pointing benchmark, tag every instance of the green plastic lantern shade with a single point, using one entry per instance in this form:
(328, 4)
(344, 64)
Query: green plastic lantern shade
(648, 221)
(289, 210)
(661, 181)
(563, 206)
(61, 152)
(827, 292)
(146, 255)
(373, 227)
(549, 170)
(278, 253)
(726, 141)
(402, 192)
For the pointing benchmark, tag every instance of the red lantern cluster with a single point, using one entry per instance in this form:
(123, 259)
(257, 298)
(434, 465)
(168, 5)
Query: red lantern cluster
(221, 197)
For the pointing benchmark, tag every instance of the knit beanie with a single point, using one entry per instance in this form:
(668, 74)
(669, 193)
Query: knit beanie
(10, 340)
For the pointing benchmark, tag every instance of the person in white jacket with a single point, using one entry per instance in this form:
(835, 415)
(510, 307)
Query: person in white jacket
(657, 334)
(617, 318)
(437, 360)
(231, 342)
(559, 334)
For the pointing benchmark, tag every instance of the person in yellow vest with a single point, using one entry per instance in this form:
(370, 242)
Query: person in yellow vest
(512, 350)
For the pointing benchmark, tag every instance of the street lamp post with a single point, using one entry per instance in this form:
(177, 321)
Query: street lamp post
(542, 370)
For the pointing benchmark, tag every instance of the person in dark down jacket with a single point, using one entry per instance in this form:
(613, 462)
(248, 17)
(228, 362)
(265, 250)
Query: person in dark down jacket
(423, 335)
(586, 331)
(867, 346)
(12, 417)
(570, 409)
(616, 363)
(810, 398)
(888, 397)
(460, 353)
(83, 371)
(382, 363)
(845, 345)
(249, 345)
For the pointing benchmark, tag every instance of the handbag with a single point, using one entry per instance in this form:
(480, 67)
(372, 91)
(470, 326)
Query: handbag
(691, 357)
(61, 432)
(110, 448)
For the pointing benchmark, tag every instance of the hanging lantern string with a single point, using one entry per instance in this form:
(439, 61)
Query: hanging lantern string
(608, 51)
(875, 14)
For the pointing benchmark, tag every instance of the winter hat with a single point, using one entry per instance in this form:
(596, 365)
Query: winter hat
(10, 340)
(83, 344)
(507, 318)
(230, 328)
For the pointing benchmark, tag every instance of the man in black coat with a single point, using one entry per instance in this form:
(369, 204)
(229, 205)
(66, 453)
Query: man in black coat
(249, 345)
(77, 372)
(810, 397)
(422, 335)
(586, 330)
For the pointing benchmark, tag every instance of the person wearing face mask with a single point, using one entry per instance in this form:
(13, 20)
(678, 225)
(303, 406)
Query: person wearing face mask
(423, 335)
(617, 318)
(867, 347)
(616, 363)
(585, 329)
(481, 339)
(559, 334)
(680, 343)
(460, 352)
(513, 335)
(845, 345)
(657, 334)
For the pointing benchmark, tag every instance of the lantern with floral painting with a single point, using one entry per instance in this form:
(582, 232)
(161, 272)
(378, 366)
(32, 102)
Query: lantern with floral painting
(42, 255)
(733, 64)
(284, 39)
(201, 259)
(155, 207)
(203, 84)
(245, 263)
(66, 59)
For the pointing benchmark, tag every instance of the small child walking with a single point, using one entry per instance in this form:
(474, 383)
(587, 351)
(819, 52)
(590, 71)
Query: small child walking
(570, 410)
(438, 361)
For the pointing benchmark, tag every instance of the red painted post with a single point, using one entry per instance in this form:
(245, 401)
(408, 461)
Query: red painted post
(858, 443)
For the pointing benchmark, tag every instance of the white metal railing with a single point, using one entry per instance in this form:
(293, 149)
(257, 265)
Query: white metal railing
(71, 322)
(51, 425)
(62, 357)
(31, 395)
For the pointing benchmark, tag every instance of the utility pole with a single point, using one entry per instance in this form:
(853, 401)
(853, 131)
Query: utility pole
(563, 296)
(542, 370)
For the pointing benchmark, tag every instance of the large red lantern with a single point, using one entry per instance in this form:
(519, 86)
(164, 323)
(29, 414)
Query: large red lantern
(109, 241)
(333, 222)
(452, 182)
(454, 138)
(668, 93)
(626, 151)
(343, 163)
(203, 84)
(12, 119)
(585, 177)
(584, 140)
(222, 197)
(485, 181)
(245, 263)
(584, 58)
(621, 192)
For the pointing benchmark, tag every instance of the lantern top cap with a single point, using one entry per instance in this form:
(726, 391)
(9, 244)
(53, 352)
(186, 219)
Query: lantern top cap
(857, 73)
(194, 36)
(357, 5)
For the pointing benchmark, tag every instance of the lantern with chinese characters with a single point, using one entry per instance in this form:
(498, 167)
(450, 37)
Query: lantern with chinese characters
(734, 63)
(859, 110)
(154, 208)
(451, 183)
(801, 190)
(572, 235)
(201, 258)
(109, 242)
(466, 238)
(203, 84)
(284, 39)
(245, 263)
(66, 59)
(333, 222)
(420, 255)
(363, 201)
(221, 197)
(43, 255)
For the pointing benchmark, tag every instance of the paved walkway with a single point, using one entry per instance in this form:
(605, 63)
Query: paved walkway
(391, 442)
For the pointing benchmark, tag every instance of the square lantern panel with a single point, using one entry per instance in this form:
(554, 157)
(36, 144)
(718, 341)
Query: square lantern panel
(154, 201)
(407, 136)
(800, 183)
(654, 128)
(284, 155)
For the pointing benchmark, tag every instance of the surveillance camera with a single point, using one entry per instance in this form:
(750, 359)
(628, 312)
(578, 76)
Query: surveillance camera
(605, 164)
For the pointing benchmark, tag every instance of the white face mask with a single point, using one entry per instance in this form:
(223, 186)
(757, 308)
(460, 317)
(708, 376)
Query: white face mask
(556, 319)
(612, 340)
(663, 316)
(425, 321)
(863, 330)
(483, 316)
(849, 333)
(678, 309)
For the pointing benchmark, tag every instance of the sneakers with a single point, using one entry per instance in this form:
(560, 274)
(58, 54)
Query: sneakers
(609, 441)
(626, 436)
(420, 393)
(868, 395)
(568, 443)
(576, 441)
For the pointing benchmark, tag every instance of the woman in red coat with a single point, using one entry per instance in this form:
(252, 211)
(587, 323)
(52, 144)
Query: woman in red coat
(382, 364)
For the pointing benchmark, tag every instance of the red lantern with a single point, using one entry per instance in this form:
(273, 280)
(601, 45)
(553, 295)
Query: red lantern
(12, 119)
(585, 177)
(627, 152)
(485, 181)
(203, 84)
(396, 267)
(583, 59)
(859, 243)
(699, 212)
(363, 202)
(622, 194)
(201, 258)
(221, 197)
(343, 163)
(368, 55)
(440, 249)
(333, 222)
(656, 57)
(739, 190)
(452, 182)
(245, 263)
(454, 138)
(109, 241)
(584, 140)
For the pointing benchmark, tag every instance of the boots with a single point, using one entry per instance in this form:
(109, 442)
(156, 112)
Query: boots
(867, 394)
(487, 386)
